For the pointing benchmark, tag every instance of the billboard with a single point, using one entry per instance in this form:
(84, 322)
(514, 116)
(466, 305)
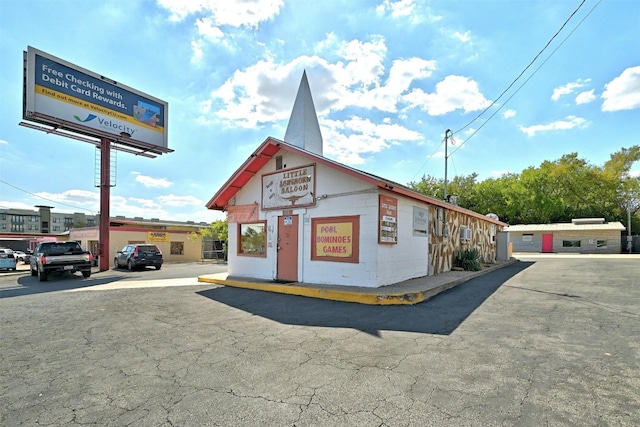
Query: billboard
(66, 96)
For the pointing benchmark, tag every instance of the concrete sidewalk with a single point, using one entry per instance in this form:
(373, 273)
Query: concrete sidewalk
(409, 292)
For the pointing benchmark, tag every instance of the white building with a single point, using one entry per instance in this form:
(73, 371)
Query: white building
(584, 235)
(295, 215)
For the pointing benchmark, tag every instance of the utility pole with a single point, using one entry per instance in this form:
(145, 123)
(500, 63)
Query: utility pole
(446, 156)
(629, 238)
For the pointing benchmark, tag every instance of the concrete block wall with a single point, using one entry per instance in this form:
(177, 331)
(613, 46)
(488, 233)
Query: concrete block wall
(588, 241)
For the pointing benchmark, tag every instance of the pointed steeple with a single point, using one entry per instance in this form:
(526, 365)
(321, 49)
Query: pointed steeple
(303, 129)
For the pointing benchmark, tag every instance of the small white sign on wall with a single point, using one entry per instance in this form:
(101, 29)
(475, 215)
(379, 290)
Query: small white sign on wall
(420, 222)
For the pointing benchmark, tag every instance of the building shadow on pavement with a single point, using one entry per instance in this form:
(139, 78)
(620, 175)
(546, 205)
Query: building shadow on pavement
(440, 315)
(28, 285)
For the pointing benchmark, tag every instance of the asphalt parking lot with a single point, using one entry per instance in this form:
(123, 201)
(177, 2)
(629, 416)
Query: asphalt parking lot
(545, 341)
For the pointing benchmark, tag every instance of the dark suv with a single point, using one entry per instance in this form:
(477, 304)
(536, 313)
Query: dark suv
(138, 255)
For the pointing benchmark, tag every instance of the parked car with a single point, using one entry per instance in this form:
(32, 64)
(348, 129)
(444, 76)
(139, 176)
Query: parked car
(60, 257)
(138, 255)
(7, 259)
(21, 256)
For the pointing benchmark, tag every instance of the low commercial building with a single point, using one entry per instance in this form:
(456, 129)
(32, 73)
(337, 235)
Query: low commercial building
(584, 235)
(175, 239)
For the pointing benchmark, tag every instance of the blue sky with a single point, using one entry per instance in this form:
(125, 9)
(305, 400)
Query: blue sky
(388, 78)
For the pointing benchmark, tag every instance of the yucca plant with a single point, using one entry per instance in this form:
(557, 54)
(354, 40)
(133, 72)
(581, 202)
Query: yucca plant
(468, 260)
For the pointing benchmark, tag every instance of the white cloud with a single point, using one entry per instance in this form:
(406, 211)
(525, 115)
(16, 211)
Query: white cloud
(386, 97)
(89, 202)
(70, 200)
(134, 206)
(452, 93)
(585, 97)
(179, 201)
(2, 141)
(197, 47)
(234, 13)
(396, 8)
(500, 173)
(634, 174)
(265, 91)
(570, 122)
(151, 182)
(207, 29)
(568, 88)
(507, 114)
(215, 17)
(463, 37)
(356, 76)
(623, 92)
(6, 204)
(79, 197)
(348, 140)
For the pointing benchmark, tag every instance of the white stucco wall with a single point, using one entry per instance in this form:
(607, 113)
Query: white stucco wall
(409, 258)
(338, 194)
(244, 266)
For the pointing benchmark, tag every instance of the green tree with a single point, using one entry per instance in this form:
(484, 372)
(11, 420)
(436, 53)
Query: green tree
(556, 191)
(625, 187)
(218, 230)
(429, 186)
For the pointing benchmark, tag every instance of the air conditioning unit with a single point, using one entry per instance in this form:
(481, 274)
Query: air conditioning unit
(465, 234)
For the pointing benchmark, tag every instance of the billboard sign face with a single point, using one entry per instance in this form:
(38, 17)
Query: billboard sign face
(61, 94)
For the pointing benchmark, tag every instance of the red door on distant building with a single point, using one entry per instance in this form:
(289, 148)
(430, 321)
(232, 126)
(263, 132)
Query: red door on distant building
(547, 243)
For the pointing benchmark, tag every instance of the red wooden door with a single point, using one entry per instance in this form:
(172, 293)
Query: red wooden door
(547, 243)
(288, 248)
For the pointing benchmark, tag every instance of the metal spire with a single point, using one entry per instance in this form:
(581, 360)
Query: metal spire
(303, 129)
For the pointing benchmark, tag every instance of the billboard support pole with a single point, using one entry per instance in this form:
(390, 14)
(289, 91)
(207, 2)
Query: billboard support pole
(105, 194)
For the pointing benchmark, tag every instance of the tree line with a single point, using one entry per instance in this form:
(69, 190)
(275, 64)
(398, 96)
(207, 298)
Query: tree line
(555, 191)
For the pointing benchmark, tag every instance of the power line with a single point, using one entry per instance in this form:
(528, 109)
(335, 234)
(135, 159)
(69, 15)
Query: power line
(527, 80)
(525, 69)
(428, 158)
(44, 198)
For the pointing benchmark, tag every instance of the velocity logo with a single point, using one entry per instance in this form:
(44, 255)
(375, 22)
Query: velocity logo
(108, 125)
(88, 119)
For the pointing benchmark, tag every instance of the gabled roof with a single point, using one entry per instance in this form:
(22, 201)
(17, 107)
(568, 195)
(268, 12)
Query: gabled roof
(271, 146)
(566, 226)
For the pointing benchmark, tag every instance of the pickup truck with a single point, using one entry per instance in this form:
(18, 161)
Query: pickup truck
(60, 257)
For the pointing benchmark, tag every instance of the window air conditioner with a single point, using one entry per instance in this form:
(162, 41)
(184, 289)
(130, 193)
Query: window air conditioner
(465, 234)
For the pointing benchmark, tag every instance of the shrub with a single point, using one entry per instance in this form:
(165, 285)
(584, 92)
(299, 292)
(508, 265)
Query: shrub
(468, 260)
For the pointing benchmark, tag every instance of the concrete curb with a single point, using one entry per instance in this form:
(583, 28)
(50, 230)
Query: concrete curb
(377, 296)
